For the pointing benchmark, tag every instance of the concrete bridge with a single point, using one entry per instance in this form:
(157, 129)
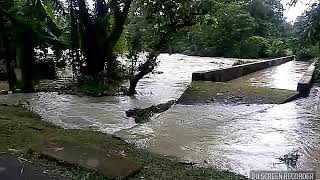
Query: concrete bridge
(268, 81)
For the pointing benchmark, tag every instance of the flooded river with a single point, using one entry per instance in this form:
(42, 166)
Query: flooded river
(284, 76)
(107, 114)
(239, 138)
(236, 137)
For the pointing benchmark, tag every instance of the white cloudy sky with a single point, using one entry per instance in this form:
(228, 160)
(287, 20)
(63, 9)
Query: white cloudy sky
(293, 12)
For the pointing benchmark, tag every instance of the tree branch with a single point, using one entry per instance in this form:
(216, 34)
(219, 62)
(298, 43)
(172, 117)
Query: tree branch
(120, 19)
(100, 8)
(84, 14)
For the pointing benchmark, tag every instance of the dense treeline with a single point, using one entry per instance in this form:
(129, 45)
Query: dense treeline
(250, 29)
(306, 34)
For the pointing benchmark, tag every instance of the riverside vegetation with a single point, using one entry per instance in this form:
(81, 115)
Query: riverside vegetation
(91, 38)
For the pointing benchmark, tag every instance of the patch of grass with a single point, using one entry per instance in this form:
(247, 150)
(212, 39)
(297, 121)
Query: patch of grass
(208, 92)
(21, 130)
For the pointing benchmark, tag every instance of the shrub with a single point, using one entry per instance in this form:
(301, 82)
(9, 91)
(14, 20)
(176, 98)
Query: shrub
(317, 70)
(93, 87)
(254, 47)
(278, 48)
(100, 86)
(306, 54)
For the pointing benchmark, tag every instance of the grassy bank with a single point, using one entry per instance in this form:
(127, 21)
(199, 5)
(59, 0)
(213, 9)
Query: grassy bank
(209, 92)
(21, 130)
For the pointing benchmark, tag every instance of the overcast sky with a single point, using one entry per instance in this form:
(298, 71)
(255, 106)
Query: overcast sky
(293, 12)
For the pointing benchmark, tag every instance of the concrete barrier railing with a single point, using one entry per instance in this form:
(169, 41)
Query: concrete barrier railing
(227, 74)
(305, 83)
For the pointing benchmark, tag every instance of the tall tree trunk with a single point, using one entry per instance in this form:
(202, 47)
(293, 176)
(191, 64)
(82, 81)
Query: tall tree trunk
(11, 75)
(94, 51)
(95, 60)
(90, 46)
(111, 60)
(147, 66)
(25, 59)
(144, 69)
(7, 55)
(97, 43)
(133, 84)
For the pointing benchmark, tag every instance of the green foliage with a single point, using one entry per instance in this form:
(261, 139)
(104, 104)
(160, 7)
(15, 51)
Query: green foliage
(96, 87)
(254, 47)
(96, 36)
(307, 35)
(307, 53)
(26, 25)
(152, 27)
(317, 70)
(311, 26)
(278, 48)
(122, 46)
(104, 84)
(229, 28)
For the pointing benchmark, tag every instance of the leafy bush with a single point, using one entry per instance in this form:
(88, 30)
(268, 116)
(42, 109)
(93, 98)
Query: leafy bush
(278, 48)
(254, 47)
(306, 54)
(103, 85)
(94, 87)
(317, 70)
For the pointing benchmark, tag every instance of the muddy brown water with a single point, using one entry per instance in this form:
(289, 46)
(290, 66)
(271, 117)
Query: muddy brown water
(107, 114)
(239, 138)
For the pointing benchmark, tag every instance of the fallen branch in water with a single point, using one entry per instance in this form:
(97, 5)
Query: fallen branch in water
(144, 115)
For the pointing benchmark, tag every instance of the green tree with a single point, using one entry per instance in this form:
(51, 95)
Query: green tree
(228, 25)
(233, 26)
(95, 33)
(151, 29)
(255, 47)
(306, 34)
(25, 25)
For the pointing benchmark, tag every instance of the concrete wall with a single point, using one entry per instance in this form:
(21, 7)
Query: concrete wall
(227, 74)
(305, 83)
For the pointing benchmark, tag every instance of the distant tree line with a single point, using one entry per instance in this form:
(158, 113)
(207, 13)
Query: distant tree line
(306, 33)
(306, 36)
(245, 29)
